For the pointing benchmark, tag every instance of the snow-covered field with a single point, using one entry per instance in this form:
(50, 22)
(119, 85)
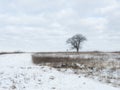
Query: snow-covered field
(18, 73)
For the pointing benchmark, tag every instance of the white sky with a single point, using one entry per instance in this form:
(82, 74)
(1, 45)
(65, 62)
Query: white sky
(45, 25)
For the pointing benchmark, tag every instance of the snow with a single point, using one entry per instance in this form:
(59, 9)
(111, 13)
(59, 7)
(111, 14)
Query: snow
(18, 73)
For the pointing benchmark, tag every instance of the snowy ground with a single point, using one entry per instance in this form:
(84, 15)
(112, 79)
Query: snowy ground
(18, 73)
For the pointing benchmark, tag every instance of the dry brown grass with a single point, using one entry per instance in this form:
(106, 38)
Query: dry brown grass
(48, 59)
(104, 66)
(63, 58)
(59, 59)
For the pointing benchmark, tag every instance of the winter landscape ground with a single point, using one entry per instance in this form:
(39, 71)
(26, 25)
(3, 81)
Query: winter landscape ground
(17, 72)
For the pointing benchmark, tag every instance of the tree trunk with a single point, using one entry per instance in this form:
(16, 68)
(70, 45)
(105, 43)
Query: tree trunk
(77, 49)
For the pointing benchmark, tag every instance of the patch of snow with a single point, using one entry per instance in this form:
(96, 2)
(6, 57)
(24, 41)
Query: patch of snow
(18, 73)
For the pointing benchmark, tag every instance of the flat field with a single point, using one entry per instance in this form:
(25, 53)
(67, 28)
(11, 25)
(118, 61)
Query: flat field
(95, 71)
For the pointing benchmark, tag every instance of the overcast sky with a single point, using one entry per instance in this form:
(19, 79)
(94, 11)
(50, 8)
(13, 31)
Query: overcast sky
(45, 25)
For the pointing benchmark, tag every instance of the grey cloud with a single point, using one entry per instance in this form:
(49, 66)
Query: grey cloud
(45, 25)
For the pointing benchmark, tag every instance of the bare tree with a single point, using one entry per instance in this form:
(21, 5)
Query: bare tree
(76, 41)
